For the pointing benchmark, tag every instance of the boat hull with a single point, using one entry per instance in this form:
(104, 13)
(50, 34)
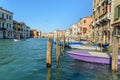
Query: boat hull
(85, 56)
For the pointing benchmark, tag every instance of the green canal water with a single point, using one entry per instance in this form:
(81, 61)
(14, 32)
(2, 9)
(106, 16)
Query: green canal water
(25, 60)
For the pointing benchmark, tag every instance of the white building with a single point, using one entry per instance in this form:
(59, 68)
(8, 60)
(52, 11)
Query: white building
(6, 23)
(74, 30)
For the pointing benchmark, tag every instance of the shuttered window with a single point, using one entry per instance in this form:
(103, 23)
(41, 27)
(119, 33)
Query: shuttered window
(116, 15)
(117, 12)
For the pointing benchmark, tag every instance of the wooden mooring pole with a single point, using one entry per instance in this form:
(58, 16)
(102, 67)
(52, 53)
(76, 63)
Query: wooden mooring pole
(63, 46)
(57, 52)
(49, 53)
(115, 54)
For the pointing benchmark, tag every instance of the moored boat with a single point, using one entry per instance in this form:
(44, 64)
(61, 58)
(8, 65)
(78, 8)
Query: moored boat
(103, 45)
(95, 57)
(84, 47)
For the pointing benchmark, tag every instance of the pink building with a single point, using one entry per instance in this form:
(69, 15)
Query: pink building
(84, 27)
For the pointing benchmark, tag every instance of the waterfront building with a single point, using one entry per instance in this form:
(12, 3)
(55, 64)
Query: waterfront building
(21, 30)
(35, 33)
(51, 34)
(44, 35)
(116, 17)
(6, 23)
(68, 32)
(26, 31)
(102, 21)
(59, 33)
(74, 30)
(17, 29)
(84, 27)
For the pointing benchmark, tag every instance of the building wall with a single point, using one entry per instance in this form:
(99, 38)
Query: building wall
(102, 21)
(59, 33)
(35, 33)
(115, 4)
(83, 27)
(74, 30)
(21, 30)
(6, 22)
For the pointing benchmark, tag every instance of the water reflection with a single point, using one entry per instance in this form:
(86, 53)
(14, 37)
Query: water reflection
(114, 76)
(49, 72)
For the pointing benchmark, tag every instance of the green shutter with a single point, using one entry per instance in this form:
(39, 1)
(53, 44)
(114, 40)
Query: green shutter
(119, 11)
(116, 15)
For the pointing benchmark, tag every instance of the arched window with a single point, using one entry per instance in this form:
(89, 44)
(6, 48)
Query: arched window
(84, 30)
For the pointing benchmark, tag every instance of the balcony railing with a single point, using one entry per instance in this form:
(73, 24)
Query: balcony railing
(2, 19)
(9, 29)
(2, 28)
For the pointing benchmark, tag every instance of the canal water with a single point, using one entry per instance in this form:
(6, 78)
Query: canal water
(25, 60)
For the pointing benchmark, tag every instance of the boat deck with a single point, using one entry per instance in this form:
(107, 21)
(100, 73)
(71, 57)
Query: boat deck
(100, 54)
(84, 47)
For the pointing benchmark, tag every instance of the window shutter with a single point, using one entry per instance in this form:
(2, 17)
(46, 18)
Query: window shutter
(119, 11)
(116, 15)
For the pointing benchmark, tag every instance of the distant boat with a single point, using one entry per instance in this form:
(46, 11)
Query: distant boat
(103, 45)
(106, 44)
(16, 40)
(94, 57)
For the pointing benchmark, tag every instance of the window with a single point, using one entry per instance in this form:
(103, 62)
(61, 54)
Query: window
(117, 12)
(2, 15)
(10, 26)
(7, 16)
(0, 24)
(84, 21)
(7, 25)
(3, 25)
(10, 18)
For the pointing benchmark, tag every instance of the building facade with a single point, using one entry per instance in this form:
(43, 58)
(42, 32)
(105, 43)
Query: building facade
(34, 33)
(84, 27)
(6, 23)
(17, 26)
(116, 18)
(59, 33)
(101, 21)
(21, 30)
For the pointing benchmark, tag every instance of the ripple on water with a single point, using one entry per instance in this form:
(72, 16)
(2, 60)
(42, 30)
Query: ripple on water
(6, 60)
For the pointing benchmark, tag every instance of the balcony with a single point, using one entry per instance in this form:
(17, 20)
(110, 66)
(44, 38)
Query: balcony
(105, 17)
(2, 29)
(9, 29)
(101, 2)
(2, 19)
(93, 24)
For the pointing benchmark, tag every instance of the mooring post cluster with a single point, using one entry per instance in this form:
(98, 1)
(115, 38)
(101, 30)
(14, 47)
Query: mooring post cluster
(59, 46)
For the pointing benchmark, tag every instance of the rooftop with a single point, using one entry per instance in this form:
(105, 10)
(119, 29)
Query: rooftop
(1, 8)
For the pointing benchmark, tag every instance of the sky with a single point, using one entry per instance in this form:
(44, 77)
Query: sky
(48, 15)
